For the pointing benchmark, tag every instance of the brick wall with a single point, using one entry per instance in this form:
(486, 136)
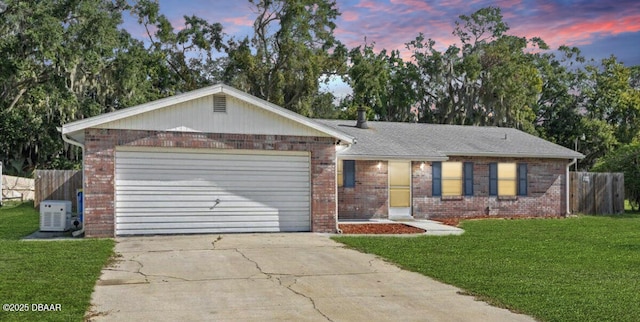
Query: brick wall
(546, 192)
(99, 168)
(368, 199)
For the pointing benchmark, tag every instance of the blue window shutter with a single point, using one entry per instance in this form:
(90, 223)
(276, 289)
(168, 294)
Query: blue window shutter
(522, 179)
(349, 173)
(436, 179)
(493, 179)
(468, 178)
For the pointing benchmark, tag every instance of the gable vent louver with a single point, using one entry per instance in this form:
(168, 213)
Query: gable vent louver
(219, 104)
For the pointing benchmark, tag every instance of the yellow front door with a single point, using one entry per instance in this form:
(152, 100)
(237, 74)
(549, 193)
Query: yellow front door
(399, 189)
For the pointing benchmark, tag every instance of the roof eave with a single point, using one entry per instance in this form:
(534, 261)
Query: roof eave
(139, 109)
(518, 155)
(211, 90)
(288, 114)
(391, 157)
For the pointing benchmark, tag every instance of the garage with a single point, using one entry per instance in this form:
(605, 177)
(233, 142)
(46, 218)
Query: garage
(212, 160)
(181, 191)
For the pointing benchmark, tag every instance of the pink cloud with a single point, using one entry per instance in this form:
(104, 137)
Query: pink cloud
(368, 4)
(239, 21)
(178, 23)
(350, 16)
(417, 5)
(577, 32)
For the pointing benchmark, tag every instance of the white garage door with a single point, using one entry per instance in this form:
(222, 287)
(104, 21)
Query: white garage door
(211, 191)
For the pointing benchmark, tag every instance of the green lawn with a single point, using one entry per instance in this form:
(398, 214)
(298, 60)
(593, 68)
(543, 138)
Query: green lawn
(46, 272)
(576, 269)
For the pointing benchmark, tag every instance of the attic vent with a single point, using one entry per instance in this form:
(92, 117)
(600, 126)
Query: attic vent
(220, 104)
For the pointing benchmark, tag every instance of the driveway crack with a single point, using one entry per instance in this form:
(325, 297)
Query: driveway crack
(371, 264)
(313, 302)
(289, 287)
(146, 276)
(139, 270)
(269, 275)
(213, 243)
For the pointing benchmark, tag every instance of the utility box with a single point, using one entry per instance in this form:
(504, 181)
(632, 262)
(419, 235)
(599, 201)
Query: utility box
(55, 215)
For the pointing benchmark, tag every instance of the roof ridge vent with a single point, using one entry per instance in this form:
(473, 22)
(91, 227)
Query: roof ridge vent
(219, 104)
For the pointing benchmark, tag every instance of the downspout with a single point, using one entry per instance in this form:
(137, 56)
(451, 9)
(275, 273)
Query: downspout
(338, 230)
(568, 182)
(76, 143)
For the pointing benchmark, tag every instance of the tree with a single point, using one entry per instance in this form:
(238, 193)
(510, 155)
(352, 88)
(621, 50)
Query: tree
(368, 76)
(185, 58)
(558, 107)
(600, 139)
(490, 80)
(323, 106)
(292, 47)
(635, 77)
(625, 159)
(610, 96)
(381, 82)
(52, 69)
(67, 60)
(400, 98)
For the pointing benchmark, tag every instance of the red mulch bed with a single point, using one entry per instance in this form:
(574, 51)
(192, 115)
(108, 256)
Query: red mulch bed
(379, 229)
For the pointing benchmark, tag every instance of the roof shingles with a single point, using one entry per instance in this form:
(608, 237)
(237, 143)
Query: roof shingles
(394, 140)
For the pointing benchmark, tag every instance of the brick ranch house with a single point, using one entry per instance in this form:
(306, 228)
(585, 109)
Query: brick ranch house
(219, 160)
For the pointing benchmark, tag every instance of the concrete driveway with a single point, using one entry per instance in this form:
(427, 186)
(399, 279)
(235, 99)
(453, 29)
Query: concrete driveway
(262, 277)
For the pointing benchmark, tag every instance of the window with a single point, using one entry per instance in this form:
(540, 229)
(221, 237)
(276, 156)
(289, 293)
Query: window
(452, 178)
(347, 173)
(508, 179)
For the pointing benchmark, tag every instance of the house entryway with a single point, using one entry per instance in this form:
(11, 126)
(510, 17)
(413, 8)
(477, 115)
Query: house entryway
(400, 190)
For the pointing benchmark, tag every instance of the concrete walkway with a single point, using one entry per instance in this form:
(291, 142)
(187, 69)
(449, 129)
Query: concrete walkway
(270, 277)
(432, 227)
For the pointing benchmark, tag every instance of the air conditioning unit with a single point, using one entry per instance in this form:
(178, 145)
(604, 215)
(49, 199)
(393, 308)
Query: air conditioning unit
(55, 215)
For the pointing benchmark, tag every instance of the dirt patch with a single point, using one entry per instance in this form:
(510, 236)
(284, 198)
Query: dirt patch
(395, 228)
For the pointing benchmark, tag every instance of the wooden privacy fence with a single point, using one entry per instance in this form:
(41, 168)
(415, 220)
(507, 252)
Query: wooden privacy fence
(57, 185)
(597, 193)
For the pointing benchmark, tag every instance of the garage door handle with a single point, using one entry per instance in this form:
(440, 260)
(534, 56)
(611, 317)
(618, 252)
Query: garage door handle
(217, 202)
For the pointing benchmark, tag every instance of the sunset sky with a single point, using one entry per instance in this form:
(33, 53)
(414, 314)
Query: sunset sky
(598, 27)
